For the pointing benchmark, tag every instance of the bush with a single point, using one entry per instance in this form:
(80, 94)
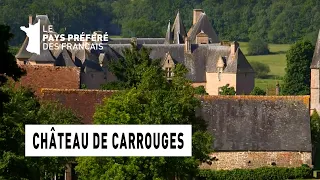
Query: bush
(260, 69)
(258, 47)
(264, 173)
(258, 91)
(226, 90)
(200, 90)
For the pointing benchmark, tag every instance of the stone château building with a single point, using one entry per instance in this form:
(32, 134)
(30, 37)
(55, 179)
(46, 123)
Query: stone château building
(211, 63)
(315, 78)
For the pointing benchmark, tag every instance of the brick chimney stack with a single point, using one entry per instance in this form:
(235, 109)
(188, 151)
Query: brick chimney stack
(187, 45)
(30, 19)
(196, 15)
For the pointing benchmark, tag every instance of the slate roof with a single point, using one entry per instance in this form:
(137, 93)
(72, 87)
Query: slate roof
(65, 59)
(23, 53)
(204, 57)
(258, 123)
(203, 24)
(178, 30)
(89, 61)
(316, 56)
(168, 38)
(45, 56)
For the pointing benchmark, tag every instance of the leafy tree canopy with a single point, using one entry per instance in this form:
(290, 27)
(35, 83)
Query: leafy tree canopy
(297, 78)
(262, 70)
(151, 100)
(258, 47)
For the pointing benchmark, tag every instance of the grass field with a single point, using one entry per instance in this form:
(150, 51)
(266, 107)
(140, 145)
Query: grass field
(276, 60)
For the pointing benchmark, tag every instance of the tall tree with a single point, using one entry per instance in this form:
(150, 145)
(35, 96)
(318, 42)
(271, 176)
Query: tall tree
(8, 64)
(153, 100)
(23, 108)
(130, 68)
(297, 77)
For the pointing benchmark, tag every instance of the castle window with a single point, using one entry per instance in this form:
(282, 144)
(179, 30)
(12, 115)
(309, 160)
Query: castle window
(169, 72)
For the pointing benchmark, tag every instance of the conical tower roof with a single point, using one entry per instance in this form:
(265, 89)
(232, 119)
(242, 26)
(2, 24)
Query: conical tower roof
(168, 39)
(178, 30)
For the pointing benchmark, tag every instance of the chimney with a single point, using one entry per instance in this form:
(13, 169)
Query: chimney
(234, 46)
(277, 89)
(187, 45)
(196, 15)
(30, 19)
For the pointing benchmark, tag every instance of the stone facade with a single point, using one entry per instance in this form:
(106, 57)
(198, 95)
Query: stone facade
(252, 159)
(315, 78)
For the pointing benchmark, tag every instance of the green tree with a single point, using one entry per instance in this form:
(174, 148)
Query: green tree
(152, 100)
(131, 67)
(297, 78)
(23, 108)
(262, 70)
(258, 91)
(315, 137)
(8, 64)
(258, 47)
(226, 90)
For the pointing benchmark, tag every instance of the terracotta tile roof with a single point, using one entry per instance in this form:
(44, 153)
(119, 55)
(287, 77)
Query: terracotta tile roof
(50, 77)
(82, 102)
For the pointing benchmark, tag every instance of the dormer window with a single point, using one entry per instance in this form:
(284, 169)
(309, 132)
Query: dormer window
(168, 65)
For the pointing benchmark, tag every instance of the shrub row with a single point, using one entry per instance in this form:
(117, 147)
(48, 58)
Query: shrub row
(264, 173)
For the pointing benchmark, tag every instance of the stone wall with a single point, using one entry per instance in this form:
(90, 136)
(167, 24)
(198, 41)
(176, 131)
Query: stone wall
(254, 159)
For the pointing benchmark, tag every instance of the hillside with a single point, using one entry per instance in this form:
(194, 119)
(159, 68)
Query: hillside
(276, 21)
(276, 60)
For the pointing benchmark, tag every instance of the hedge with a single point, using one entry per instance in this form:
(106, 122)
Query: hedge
(264, 173)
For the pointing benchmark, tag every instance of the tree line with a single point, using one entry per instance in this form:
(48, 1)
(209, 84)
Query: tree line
(274, 21)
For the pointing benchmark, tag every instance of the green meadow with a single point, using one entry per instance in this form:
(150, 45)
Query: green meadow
(276, 60)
